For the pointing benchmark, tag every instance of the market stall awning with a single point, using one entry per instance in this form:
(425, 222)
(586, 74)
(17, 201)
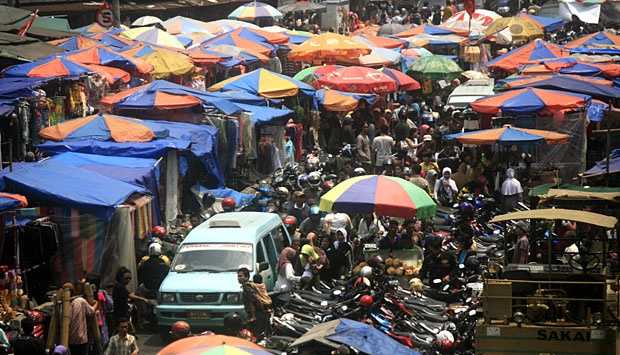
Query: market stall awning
(201, 140)
(592, 41)
(146, 21)
(225, 55)
(533, 51)
(514, 29)
(425, 29)
(600, 168)
(102, 127)
(264, 83)
(380, 194)
(328, 47)
(509, 135)
(218, 27)
(105, 56)
(333, 100)
(184, 25)
(75, 42)
(311, 74)
(381, 42)
(255, 10)
(560, 214)
(592, 88)
(530, 101)
(12, 201)
(58, 67)
(56, 184)
(358, 79)
(245, 40)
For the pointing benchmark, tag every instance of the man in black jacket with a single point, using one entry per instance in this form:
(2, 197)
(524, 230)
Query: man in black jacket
(438, 264)
(25, 343)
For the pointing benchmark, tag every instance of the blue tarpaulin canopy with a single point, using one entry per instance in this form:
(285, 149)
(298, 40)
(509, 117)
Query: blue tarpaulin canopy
(201, 140)
(7, 204)
(564, 83)
(600, 168)
(60, 184)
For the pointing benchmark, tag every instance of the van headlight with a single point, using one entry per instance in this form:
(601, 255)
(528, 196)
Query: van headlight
(167, 297)
(232, 298)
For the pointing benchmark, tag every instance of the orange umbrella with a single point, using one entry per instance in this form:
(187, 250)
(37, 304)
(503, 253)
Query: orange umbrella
(367, 30)
(377, 41)
(200, 342)
(328, 47)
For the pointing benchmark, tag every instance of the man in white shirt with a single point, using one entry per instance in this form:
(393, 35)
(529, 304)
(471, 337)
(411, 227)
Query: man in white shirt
(382, 146)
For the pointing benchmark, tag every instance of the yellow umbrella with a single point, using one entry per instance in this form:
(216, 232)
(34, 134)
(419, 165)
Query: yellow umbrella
(515, 29)
(328, 47)
(165, 62)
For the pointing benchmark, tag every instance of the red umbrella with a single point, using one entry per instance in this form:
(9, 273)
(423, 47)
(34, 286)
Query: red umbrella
(404, 81)
(359, 79)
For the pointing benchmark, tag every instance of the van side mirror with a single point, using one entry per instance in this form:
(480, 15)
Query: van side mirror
(263, 266)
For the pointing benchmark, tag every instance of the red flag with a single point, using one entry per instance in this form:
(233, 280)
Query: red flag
(26, 26)
(470, 6)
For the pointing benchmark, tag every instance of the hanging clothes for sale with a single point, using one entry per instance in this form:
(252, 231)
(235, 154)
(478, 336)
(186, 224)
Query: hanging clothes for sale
(23, 116)
(248, 137)
(295, 131)
(264, 156)
(222, 141)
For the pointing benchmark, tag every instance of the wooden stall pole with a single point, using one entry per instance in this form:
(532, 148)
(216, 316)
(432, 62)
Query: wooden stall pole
(66, 316)
(52, 334)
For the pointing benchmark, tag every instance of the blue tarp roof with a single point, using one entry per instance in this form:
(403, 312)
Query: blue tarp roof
(600, 167)
(59, 184)
(7, 204)
(12, 88)
(575, 85)
(201, 140)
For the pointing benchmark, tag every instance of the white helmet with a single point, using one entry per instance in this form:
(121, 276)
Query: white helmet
(155, 249)
(445, 339)
(359, 171)
(366, 271)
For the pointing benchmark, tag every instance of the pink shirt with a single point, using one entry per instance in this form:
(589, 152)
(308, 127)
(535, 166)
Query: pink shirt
(78, 329)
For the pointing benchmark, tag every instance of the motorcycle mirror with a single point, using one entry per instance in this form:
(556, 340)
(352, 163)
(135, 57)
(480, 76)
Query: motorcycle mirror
(366, 282)
(437, 281)
(323, 303)
(344, 308)
(468, 300)
(461, 266)
(472, 313)
(446, 287)
(337, 293)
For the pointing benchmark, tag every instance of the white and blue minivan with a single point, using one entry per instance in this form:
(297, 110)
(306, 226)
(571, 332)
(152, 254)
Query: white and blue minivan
(201, 287)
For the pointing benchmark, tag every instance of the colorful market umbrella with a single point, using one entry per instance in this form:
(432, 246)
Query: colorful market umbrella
(477, 23)
(75, 42)
(92, 28)
(225, 350)
(333, 100)
(570, 65)
(114, 41)
(225, 55)
(425, 29)
(328, 47)
(294, 37)
(390, 29)
(514, 30)
(218, 27)
(165, 62)
(601, 38)
(302, 6)
(358, 79)
(58, 67)
(378, 57)
(153, 35)
(184, 25)
(104, 56)
(404, 81)
(509, 135)
(251, 40)
(146, 21)
(529, 101)
(435, 67)
(548, 24)
(265, 83)
(102, 127)
(381, 194)
(372, 30)
(423, 40)
(311, 74)
(415, 52)
(536, 50)
(600, 89)
(381, 42)
(255, 10)
(203, 341)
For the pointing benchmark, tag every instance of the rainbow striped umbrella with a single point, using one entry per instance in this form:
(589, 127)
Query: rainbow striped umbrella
(255, 10)
(383, 195)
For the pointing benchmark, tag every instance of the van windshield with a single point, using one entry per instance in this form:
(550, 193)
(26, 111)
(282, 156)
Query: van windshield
(211, 257)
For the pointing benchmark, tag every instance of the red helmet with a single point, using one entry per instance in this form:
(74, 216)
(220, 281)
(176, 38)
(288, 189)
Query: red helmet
(180, 328)
(366, 301)
(290, 221)
(327, 185)
(228, 204)
(158, 231)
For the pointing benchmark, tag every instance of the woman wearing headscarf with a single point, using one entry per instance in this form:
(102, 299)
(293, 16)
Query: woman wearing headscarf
(286, 272)
(511, 191)
(445, 188)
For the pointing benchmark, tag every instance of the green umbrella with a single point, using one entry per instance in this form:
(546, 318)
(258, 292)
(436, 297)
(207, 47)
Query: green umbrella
(310, 74)
(435, 67)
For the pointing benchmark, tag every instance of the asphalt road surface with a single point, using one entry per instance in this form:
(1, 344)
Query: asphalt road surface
(149, 342)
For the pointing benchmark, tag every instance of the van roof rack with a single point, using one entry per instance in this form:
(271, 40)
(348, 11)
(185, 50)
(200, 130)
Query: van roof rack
(224, 223)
